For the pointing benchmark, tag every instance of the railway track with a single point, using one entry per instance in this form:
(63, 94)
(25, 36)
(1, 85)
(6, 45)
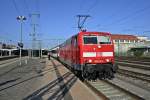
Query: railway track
(8, 61)
(134, 65)
(135, 70)
(141, 76)
(12, 61)
(136, 62)
(134, 81)
(134, 59)
(114, 92)
(109, 91)
(7, 57)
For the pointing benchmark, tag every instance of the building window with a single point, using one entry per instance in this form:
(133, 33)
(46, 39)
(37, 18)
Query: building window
(136, 41)
(122, 41)
(116, 40)
(132, 41)
(127, 41)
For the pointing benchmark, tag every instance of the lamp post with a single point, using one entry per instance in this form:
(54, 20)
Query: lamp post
(21, 19)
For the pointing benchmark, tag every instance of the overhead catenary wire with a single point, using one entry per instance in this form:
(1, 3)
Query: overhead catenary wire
(130, 4)
(128, 16)
(37, 6)
(125, 18)
(34, 16)
(16, 7)
(87, 10)
(81, 19)
(92, 6)
(21, 12)
(26, 6)
(81, 5)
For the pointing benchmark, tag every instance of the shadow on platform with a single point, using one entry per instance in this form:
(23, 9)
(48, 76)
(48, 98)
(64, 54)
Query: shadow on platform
(55, 93)
(41, 74)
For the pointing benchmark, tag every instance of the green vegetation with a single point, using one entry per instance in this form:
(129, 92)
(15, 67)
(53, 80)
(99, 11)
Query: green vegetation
(138, 53)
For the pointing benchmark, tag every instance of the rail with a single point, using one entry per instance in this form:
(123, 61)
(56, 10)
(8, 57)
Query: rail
(109, 91)
(7, 57)
(137, 75)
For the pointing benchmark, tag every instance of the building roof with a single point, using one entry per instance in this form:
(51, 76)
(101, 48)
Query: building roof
(123, 37)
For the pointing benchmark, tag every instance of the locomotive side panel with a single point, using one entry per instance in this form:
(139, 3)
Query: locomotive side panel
(75, 53)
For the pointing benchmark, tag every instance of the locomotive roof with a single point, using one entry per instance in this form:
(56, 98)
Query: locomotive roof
(103, 33)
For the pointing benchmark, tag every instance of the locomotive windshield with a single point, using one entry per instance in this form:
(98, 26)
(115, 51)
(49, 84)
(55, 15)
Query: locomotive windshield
(90, 39)
(97, 40)
(104, 40)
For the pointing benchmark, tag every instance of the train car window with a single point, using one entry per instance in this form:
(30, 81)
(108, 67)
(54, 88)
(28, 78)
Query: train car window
(104, 40)
(90, 39)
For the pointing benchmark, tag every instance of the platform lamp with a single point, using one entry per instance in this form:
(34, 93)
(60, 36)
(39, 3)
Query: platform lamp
(20, 44)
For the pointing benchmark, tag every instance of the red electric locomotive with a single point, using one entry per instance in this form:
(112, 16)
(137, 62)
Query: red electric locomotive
(90, 54)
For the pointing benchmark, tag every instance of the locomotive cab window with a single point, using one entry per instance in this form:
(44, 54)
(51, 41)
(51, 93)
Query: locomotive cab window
(90, 39)
(104, 40)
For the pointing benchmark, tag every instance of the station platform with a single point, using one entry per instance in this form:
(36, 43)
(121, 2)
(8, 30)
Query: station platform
(42, 79)
(68, 85)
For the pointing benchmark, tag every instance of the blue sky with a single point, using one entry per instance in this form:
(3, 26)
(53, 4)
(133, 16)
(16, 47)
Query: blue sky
(58, 18)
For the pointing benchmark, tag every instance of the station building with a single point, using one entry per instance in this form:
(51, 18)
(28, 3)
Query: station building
(7, 49)
(124, 43)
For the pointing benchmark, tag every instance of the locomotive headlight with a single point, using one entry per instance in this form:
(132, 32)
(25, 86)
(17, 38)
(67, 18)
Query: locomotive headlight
(99, 46)
(90, 60)
(107, 60)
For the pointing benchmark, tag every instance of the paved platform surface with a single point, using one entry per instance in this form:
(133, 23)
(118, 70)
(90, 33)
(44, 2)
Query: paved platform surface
(41, 79)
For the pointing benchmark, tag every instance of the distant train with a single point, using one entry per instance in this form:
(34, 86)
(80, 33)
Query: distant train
(89, 54)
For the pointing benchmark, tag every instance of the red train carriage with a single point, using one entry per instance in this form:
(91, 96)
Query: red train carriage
(91, 54)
